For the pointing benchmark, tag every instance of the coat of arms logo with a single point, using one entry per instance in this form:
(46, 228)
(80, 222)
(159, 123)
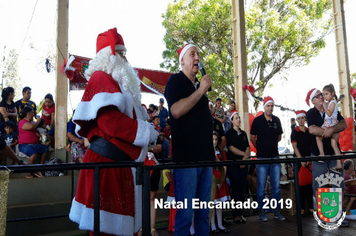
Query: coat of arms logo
(329, 214)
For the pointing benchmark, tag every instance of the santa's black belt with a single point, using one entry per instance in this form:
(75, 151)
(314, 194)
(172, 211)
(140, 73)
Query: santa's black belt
(108, 150)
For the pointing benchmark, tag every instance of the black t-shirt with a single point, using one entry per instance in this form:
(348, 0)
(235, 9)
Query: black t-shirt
(316, 118)
(267, 133)
(303, 140)
(21, 104)
(237, 140)
(218, 128)
(192, 134)
(10, 108)
(158, 156)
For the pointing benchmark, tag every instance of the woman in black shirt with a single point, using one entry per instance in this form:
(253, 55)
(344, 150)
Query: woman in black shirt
(8, 109)
(239, 149)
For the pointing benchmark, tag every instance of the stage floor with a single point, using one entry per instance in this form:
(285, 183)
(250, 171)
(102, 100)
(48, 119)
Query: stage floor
(279, 228)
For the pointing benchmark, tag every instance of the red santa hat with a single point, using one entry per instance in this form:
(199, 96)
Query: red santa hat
(267, 100)
(183, 50)
(300, 113)
(310, 95)
(110, 38)
(233, 113)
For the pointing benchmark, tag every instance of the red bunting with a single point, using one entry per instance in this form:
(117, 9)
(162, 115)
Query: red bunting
(154, 80)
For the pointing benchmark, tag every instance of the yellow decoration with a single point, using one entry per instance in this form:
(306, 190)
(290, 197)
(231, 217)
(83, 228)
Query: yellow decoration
(151, 84)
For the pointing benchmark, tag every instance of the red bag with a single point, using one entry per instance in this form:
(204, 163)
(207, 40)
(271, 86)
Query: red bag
(305, 175)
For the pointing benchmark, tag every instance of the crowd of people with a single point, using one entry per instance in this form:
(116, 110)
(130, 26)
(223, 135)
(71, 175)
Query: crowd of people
(23, 130)
(111, 124)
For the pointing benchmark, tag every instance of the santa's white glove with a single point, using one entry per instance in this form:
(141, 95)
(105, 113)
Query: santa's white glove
(153, 134)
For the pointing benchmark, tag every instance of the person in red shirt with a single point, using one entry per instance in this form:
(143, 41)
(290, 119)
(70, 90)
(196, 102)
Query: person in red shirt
(28, 140)
(48, 116)
(48, 110)
(167, 130)
(156, 122)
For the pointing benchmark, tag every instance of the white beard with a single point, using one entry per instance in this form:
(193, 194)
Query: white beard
(121, 71)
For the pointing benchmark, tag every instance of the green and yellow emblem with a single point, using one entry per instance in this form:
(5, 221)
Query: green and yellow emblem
(329, 204)
(329, 214)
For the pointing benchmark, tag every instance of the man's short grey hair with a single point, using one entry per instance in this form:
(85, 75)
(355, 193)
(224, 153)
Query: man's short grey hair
(348, 163)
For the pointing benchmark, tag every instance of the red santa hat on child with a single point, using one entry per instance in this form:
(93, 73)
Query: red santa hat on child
(233, 113)
(183, 50)
(110, 38)
(267, 100)
(300, 113)
(311, 95)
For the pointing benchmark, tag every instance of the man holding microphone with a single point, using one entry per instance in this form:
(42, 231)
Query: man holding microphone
(192, 131)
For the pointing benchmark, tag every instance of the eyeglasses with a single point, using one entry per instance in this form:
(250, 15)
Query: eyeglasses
(318, 96)
(122, 53)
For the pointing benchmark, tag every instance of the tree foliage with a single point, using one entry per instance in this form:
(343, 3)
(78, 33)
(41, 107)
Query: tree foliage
(353, 80)
(279, 34)
(10, 77)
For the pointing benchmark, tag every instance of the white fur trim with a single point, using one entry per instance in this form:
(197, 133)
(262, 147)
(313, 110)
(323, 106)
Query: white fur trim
(269, 101)
(300, 115)
(144, 113)
(232, 115)
(120, 47)
(184, 50)
(138, 203)
(110, 223)
(88, 110)
(143, 134)
(313, 94)
(143, 154)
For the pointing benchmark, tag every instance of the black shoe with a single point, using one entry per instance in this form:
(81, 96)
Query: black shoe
(225, 230)
(215, 231)
(345, 223)
(242, 220)
(225, 222)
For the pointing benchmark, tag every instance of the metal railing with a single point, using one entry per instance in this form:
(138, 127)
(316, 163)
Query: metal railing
(143, 177)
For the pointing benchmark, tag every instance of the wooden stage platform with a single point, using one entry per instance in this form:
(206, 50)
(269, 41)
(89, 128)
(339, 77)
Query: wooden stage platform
(255, 227)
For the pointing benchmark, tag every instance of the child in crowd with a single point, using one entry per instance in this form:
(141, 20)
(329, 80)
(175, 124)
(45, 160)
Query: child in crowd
(167, 130)
(77, 144)
(150, 116)
(42, 133)
(48, 115)
(10, 138)
(156, 122)
(222, 193)
(330, 108)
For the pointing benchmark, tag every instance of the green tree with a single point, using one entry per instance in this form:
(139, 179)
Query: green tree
(353, 80)
(279, 34)
(10, 77)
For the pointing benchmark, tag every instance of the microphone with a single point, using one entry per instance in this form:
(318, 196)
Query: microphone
(201, 68)
(202, 71)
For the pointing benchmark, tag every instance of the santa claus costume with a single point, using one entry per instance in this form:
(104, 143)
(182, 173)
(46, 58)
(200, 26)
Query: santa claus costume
(110, 115)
